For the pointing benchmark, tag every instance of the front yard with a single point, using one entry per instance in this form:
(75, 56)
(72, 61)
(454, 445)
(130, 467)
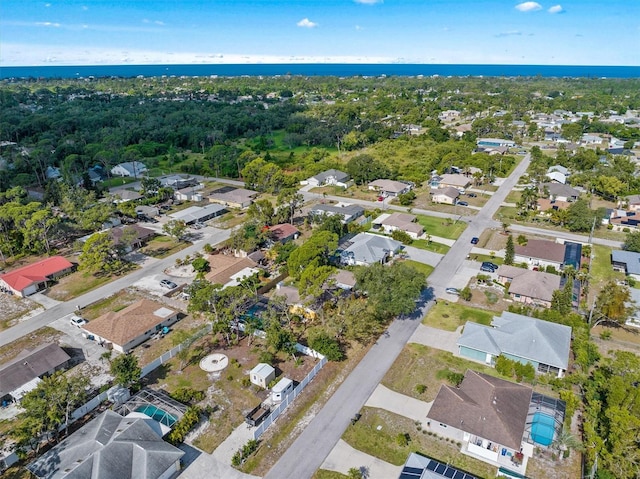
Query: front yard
(77, 284)
(443, 227)
(448, 316)
(163, 246)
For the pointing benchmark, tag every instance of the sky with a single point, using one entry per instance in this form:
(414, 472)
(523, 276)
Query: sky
(113, 32)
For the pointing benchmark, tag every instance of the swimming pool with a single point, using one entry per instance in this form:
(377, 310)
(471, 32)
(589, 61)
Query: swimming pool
(157, 414)
(542, 429)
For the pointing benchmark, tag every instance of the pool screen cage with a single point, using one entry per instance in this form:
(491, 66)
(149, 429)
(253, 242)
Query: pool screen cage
(554, 408)
(149, 397)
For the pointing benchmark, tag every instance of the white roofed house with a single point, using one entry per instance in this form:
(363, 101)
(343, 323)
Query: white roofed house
(347, 212)
(454, 181)
(330, 178)
(133, 169)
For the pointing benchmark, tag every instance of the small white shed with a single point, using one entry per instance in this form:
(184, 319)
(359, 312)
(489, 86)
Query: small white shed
(262, 375)
(281, 390)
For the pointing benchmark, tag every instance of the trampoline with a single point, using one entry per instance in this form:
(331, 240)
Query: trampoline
(542, 429)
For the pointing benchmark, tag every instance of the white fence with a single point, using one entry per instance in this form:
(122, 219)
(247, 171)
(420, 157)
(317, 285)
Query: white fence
(270, 419)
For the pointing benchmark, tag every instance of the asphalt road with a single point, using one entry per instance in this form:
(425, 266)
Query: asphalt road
(315, 443)
(212, 236)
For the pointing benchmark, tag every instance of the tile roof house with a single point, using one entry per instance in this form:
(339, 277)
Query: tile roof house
(447, 195)
(23, 373)
(543, 344)
(131, 326)
(233, 197)
(110, 446)
(390, 187)
(454, 181)
(227, 269)
(133, 169)
(627, 262)
(34, 277)
(558, 191)
(400, 222)
(488, 415)
(348, 212)
(540, 253)
(365, 249)
(330, 178)
(283, 232)
(529, 287)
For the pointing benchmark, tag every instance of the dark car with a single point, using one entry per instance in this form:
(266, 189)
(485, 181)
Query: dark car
(489, 263)
(471, 195)
(487, 268)
(475, 240)
(463, 203)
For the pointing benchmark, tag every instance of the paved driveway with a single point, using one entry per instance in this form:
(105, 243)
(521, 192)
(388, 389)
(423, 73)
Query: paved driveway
(343, 457)
(385, 398)
(422, 256)
(437, 338)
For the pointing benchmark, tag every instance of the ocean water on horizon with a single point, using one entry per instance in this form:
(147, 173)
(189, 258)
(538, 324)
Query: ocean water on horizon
(320, 69)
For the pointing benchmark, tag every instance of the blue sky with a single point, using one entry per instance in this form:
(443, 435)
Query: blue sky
(557, 32)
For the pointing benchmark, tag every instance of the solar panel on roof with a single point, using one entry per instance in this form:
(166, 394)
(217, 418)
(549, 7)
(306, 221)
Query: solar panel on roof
(440, 468)
(432, 465)
(413, 470)
(449, 472)
(459, 475)
(408, 476)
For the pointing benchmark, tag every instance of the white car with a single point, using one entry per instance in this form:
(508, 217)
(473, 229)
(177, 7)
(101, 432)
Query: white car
(77, 321)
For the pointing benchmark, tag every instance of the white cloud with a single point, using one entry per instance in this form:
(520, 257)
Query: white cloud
(84, 8)
(159, 22)
(47, 5)
(511, 33)
(47, 24)
(556, 9)
(358, 27)
(368, 2)
(529, 6)
(306, 23)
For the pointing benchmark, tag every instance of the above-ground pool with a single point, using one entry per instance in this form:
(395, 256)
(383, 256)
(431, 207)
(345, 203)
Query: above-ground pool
(542, 429)
(157, 414)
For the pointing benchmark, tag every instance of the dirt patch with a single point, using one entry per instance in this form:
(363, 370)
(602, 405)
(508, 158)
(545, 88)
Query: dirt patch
(30, 341)
(621, 339)
(12, 308)
(545, 460)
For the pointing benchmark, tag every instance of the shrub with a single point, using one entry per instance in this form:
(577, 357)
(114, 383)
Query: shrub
(401, 236)
(266, 357)
(606, 334)
(402, 439)
(184, 425)
(188, 395)
(421, 388)
(455, 378)
(406, 199)
(200, 265)
(245, 382)
(465, 293)
(208, 248)
(321, 342)
(244, 452)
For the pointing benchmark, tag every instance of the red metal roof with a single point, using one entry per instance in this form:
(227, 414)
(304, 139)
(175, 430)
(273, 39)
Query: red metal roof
(37, 272)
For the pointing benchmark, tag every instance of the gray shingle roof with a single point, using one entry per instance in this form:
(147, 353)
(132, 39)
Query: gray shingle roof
(369, 249)
(110, 446)
(533, 284)
(629, 258)
(337, 174)
(521, 336)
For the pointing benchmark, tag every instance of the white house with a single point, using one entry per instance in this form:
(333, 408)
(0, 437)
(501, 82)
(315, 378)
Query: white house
(390, 187)
(133, 169)
(365, 249)
(330, 178)
(262, 375)
(447, 195)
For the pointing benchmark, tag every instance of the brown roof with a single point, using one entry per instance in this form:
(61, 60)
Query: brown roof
(141, 233)
(30, 365)
(283, 231)
(134, 320)
(344, 277)
(484, 406)
(233, 195)
(533, 284)
(389, 185)
(542, 249)
(449, 191)
(223, 266)
(545, 204)
(404, 222)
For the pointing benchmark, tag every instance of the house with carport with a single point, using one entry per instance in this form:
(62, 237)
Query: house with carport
(125, 329)
(543, 344)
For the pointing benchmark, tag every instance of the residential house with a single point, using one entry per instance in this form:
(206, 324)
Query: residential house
(559, 169)
(124, 195)
(495, 142)
(179, 182)
(262, 375)
(297, 305)
(53, 173)
(558, 191)
(399, 222)
(229, 269)
(449, 115)
(198, 214)
(34, 277)
(634, 202)
(111, 446)
(457, 181)
(330, 178)
(343, 279)
(365, 249)
(233, 197)
(132, 169)
(390, 187)
(497, 421)
(23, 373)
(125, 329)
(557, 177)
(626, 261)
(543, 344)
(492, 150)
(283, 233)
(529, 287)
(545, 205)
(147, 211)
(591, 140)
(448, 196)
(188, 194)
(540, 254)
(622, 220)
(423, 467)
(348, 212)
(131, 236)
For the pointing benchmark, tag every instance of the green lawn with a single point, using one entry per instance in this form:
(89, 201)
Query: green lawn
(485, 257)
(324, 474)
(442, 227)
(423, 268)
(111, 182)
(601, 269)
(163, 246)
(449, 316)
(76, 284)
(431, 246)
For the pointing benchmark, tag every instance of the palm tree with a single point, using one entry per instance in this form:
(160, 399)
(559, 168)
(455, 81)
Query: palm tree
(565, 441)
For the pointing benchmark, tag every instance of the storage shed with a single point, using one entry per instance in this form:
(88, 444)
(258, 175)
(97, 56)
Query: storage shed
(262, 375)
(281, 390)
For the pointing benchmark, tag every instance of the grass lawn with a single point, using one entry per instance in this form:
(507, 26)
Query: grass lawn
(421, 267)
(377, 431)
(431, 246)
(12, 308)
(324, 474)
(442, 227)
(163, 246)
(419, 364)
(513, 197)
(30, 341)
(601, 269)
(485, 257)
(111, 182)
(449, 316)
(76, 284)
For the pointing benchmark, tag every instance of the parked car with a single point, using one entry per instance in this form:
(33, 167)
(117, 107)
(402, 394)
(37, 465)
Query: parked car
(490, 264)
(475, 240)
(165, 283)
(463, 203)
(77, 321)
(471, 195)
(380, 198)
(487, 268)
(455, 291)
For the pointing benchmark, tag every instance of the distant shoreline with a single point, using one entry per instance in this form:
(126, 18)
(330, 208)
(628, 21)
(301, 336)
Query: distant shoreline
(319, 69)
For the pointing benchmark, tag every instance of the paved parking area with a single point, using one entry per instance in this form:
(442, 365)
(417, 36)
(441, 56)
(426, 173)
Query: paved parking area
(343, 457)
(437, 338)
(151, 283)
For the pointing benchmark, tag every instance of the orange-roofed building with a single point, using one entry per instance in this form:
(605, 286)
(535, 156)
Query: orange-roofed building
(34, 277)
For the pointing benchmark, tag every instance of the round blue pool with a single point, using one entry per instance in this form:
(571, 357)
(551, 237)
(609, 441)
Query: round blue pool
(157, 414)
(542, 429)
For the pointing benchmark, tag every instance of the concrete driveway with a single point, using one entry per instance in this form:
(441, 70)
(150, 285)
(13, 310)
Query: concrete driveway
(205, 466)
(385, 398)
(437, 338)
(343, 457)
(422, 256)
